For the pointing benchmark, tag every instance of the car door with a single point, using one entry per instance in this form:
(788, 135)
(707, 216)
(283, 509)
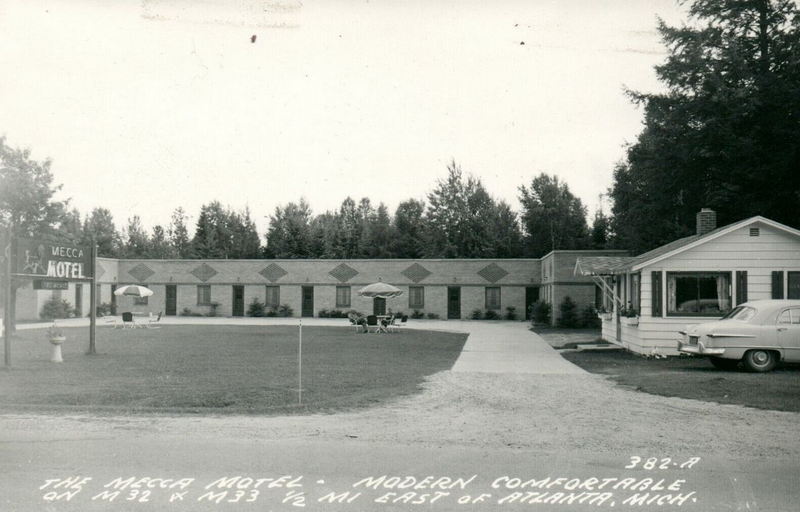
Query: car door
(788, 329)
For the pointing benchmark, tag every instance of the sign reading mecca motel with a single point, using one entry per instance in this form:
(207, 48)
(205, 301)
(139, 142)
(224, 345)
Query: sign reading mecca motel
(52, 260)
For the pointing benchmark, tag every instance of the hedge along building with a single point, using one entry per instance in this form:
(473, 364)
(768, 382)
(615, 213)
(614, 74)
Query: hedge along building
(695, 279)
(447, 288)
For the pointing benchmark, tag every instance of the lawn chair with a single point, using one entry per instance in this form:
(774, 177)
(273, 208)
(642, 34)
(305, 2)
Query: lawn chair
(127, 320)
(398, 322)
(372, 321)
(153, 320)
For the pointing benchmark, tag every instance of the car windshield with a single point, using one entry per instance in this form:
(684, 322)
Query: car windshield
(741, 313)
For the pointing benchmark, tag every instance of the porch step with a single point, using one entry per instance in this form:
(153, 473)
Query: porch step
(595, 346)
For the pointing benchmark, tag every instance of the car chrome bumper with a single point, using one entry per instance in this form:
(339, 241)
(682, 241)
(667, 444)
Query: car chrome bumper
(700, 349)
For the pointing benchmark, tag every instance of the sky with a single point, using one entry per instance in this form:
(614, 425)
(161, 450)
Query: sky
(144, 106)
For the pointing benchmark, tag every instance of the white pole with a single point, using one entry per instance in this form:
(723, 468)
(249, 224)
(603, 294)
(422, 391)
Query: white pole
(300, 365)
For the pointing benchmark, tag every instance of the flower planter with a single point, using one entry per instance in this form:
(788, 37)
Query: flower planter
(55, 355)
(631, 321)
(605, 317)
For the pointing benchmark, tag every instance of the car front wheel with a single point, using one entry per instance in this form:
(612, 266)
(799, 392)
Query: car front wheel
(724, 364)
(760, 360)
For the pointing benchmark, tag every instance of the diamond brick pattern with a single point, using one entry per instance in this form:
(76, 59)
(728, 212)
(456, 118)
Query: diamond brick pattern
(204, 272)
(416, 272)
(273, 272)
(492, 272)
(99, 271)
(343, 272)
(141, 272)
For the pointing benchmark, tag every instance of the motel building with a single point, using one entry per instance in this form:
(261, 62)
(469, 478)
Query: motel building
(445, 288)
(644, 300)
(650, 297)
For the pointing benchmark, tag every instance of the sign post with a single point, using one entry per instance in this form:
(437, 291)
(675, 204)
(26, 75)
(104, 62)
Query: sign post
(93, 301)
(300, 366)
(7, 309)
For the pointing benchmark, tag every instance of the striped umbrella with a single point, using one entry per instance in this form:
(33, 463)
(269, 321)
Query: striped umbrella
(380, 290)
(133, 290)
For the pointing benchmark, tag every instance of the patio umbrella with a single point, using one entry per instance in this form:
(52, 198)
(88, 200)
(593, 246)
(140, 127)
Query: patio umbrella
(380, 289)
(134, 290)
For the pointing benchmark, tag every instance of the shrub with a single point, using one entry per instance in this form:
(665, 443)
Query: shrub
(511, 313)
(540, 312)
(417, 314)
(213, 309)
(104, 309)
(589, 318)
(491, 315)
(56, 308)
(333, 313)
(477, 314)
(569, 313)
(189, 312)
(433, 316)
(271, 312)
(256, 308)
(285, 310)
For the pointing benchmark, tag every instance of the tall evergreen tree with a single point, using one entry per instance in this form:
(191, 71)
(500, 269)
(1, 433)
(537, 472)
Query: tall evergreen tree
(100, 224)
(409, 228)
(178, 233)
(137, 243)
(289, 232)
(725, 134)
(552, 217)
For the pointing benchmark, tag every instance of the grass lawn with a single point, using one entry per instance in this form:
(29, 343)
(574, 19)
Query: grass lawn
(221, 369)
(694, 377)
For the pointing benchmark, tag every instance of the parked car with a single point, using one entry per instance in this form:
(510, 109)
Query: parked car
(759, 334)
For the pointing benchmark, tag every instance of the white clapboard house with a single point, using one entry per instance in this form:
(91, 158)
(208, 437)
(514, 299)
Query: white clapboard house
(650, 297)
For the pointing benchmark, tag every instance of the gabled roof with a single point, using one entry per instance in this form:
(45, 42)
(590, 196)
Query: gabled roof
(586, 266)
(684, 244)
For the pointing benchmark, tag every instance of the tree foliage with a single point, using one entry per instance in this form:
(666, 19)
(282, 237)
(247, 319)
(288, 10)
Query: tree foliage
(552, 218)
(725, 134)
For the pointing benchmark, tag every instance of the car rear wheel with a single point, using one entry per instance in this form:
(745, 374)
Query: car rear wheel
(760, 360)
(724, 364)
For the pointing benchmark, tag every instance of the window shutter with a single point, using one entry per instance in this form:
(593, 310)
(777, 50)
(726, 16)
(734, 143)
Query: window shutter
(777, 284)
(656, 292)
(741, 286)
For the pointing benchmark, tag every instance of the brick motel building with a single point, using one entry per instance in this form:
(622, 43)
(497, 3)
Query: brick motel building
(448, 288)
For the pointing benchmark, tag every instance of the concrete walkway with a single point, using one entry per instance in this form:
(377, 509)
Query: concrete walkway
(492, 346)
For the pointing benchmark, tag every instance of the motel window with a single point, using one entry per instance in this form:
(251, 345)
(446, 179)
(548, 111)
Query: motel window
(493, 297)
(342, 296)
(273, 296)
(140, 301)
(203, 294)
(698, 293)
(416, 297)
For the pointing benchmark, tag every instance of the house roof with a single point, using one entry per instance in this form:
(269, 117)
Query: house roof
(675, 247)
(599, 265)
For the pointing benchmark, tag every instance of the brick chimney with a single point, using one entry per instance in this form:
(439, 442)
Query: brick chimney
(706, 221)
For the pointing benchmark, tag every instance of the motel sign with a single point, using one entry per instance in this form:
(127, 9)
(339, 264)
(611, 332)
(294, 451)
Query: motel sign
(44, 259)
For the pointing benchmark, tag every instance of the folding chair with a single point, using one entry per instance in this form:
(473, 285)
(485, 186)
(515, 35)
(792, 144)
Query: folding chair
(372, 321)
(127, 320)
(153, 320)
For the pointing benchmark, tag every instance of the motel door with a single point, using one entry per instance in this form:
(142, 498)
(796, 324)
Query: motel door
(531, 296)
(453, 302)
(238, 300)
(171, 307)
(378, 306)
(308, 301)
